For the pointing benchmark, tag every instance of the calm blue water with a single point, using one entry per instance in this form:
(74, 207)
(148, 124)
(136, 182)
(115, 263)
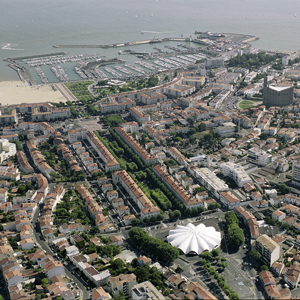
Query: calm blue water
(36, 26)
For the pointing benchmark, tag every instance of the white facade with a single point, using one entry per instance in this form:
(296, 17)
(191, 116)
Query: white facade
(259, 157)
(269, 250)
(229, 200)
(55, 270)
(195, 239)
(145, 290)
(210, 181)
(218, 100)
(13, 277)
(180, 90)
(235, 172)
(7, 149)
(215, 62)
(296, 173)
(3, 195)
(76, 135)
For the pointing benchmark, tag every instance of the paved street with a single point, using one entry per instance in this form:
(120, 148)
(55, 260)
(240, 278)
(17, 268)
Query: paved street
(239, 275)
(43, 244)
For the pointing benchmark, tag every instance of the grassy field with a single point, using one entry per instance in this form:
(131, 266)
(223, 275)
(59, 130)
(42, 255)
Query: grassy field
(200, 135)
(249, 103)
(80, 90)
(246, 104)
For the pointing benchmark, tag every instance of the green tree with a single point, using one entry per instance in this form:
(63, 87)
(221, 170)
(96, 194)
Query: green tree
(284, 189)
(202, 127)
(206, 255)
(164, 251)
(254, 254)
(231, 218)
(45, 282)
(29, 264)
(213, 206)
(175, 215)
(264, 268)
(135, 222)
(167, 78)
(243, 84)
(160, 217)
(236, 237)
(117, 264)
(215, 252)
(22, 189)
(199, 189)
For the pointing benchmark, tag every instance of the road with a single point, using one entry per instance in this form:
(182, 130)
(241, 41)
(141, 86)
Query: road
(229, 103)
(82, 285)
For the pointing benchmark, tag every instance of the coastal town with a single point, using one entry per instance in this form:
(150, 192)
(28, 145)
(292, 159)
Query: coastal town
(181, 183)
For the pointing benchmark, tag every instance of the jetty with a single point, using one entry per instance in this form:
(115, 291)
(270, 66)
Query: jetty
(125, 44)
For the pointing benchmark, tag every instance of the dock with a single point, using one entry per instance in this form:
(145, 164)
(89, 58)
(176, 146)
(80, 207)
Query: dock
(124, 44)
(36, 56)
(24, 74)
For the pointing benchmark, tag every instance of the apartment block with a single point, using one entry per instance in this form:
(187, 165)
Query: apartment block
(269, 250)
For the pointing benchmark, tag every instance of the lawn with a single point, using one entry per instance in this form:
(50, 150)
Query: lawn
(200, 135)
(80, 90)
(246, 104)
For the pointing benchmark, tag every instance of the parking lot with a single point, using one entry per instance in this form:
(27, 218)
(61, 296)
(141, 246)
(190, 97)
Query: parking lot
(90, 124)
(239, 274)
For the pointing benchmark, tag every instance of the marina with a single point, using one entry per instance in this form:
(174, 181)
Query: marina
(95, 66)
(41, 74)
(60, 73)
(62, 67)
(112, 72)
(61, 59)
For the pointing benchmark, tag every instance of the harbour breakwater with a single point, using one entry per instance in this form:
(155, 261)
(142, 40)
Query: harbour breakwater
(23, 73)
(125, 44)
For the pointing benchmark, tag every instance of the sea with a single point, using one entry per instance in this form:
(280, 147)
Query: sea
(32, 27)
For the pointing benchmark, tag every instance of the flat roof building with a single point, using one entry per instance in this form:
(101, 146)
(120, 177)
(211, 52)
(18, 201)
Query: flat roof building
(269, 250)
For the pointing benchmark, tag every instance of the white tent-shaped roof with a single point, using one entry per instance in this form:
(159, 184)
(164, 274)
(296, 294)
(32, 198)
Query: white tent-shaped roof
(191, 238)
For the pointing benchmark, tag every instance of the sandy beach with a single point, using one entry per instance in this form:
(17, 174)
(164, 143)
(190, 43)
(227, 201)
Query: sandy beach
(15, 92)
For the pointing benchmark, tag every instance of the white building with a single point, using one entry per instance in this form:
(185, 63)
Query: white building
(122, 283)
(235, 172)
(215, 62)
(259, 157)
(7, 149)
(145, 290)
(75, 135)
(218, 100)
(54, 268)
(3, 195)
(180, 90)
(210, 181)
(13, 277)
(269, 250)
(225, 131)
(229, 200)
(200, 160)
(100, 294)
(250, 76)
(296, 173)
(26, 244)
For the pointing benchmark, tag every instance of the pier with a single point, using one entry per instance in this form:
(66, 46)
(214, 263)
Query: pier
(23, 72)
(36, 56)
(102, 63)
(125, 44)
